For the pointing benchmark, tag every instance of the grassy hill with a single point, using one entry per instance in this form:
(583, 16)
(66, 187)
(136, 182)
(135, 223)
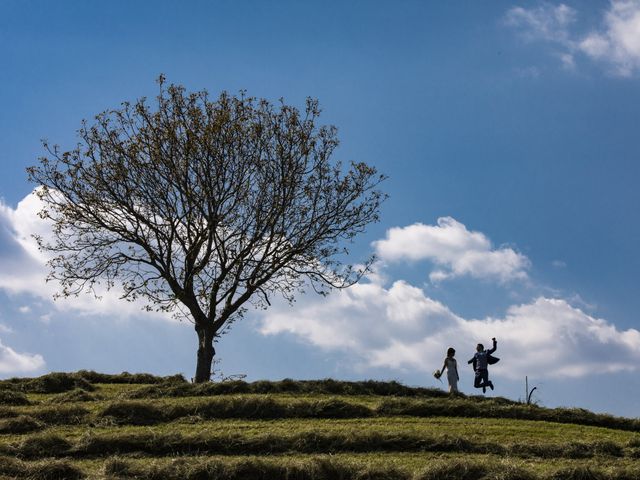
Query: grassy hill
(90, 425)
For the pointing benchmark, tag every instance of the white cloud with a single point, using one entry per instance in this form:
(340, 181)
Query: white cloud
(568, 61)
(24, 309)
(23, 267)
(361, 319)
(5, 328)
(618, 43)
(615, 43)
(12, 362)
(401, 328)
(546, 22)
(455, 250)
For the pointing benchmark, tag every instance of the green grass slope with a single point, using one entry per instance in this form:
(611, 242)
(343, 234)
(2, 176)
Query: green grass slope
(91, 425)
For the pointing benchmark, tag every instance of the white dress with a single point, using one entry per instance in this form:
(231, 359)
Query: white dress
(452, 374)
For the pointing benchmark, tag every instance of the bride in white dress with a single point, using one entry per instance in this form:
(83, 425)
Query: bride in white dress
(451, 365)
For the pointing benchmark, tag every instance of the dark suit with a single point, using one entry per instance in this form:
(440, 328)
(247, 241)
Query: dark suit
(480, 364)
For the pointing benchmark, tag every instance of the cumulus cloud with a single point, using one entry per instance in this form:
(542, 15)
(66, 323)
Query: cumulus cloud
(23, 267)
(618, 43)
(455, 250)
(12, 362)
(615, 43)
(396, 325)
(401, 328)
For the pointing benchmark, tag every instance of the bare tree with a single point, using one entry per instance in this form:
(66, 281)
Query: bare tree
(203, 207)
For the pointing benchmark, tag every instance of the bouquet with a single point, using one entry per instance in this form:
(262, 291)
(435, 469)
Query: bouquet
(437, 374)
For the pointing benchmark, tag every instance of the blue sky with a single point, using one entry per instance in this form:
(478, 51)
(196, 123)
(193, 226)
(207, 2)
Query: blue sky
(508, 130)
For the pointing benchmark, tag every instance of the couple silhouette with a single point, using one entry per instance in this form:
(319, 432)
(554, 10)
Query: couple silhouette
(480, 361)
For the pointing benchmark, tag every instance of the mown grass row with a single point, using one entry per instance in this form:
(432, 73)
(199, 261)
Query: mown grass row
(139, 412)
(13, 390)
(330, 469)
(57, 382)
(45, 470)
(497, 409)
(318, 468)
(423, 401)
(299, 387)
(16, 421)
(177, 385)
(305, 442)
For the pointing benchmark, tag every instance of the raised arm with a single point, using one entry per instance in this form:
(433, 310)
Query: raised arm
(495, 345)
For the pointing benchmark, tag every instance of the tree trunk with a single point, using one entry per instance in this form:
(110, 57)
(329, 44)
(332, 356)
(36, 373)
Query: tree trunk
(205, 354)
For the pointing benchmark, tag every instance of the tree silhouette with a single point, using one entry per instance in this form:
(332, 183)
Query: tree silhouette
(203, 207)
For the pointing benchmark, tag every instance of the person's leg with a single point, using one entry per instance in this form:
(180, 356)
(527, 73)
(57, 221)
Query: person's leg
(453, 385)
(484, 379)
(477, 381)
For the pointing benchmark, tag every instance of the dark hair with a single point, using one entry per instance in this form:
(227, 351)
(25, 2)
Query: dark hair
(451, 352)
(480, 347)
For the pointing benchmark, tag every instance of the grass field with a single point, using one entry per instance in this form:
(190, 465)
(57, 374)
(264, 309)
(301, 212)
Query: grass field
(89, 425)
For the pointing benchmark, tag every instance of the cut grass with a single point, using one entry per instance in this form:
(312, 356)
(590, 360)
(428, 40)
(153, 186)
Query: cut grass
(231, 443)
(497, 431)
(358, 467)
(128, 378)
(13, 397)
(299, 387)
(42, 446)
(255, 468)
(492, 409)
(76, 395)
(55, 382)
(297, 430)
(47, 470)
(414, 464)
(253, 406)
(145, 413)
(61, 414)
(20, 424)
